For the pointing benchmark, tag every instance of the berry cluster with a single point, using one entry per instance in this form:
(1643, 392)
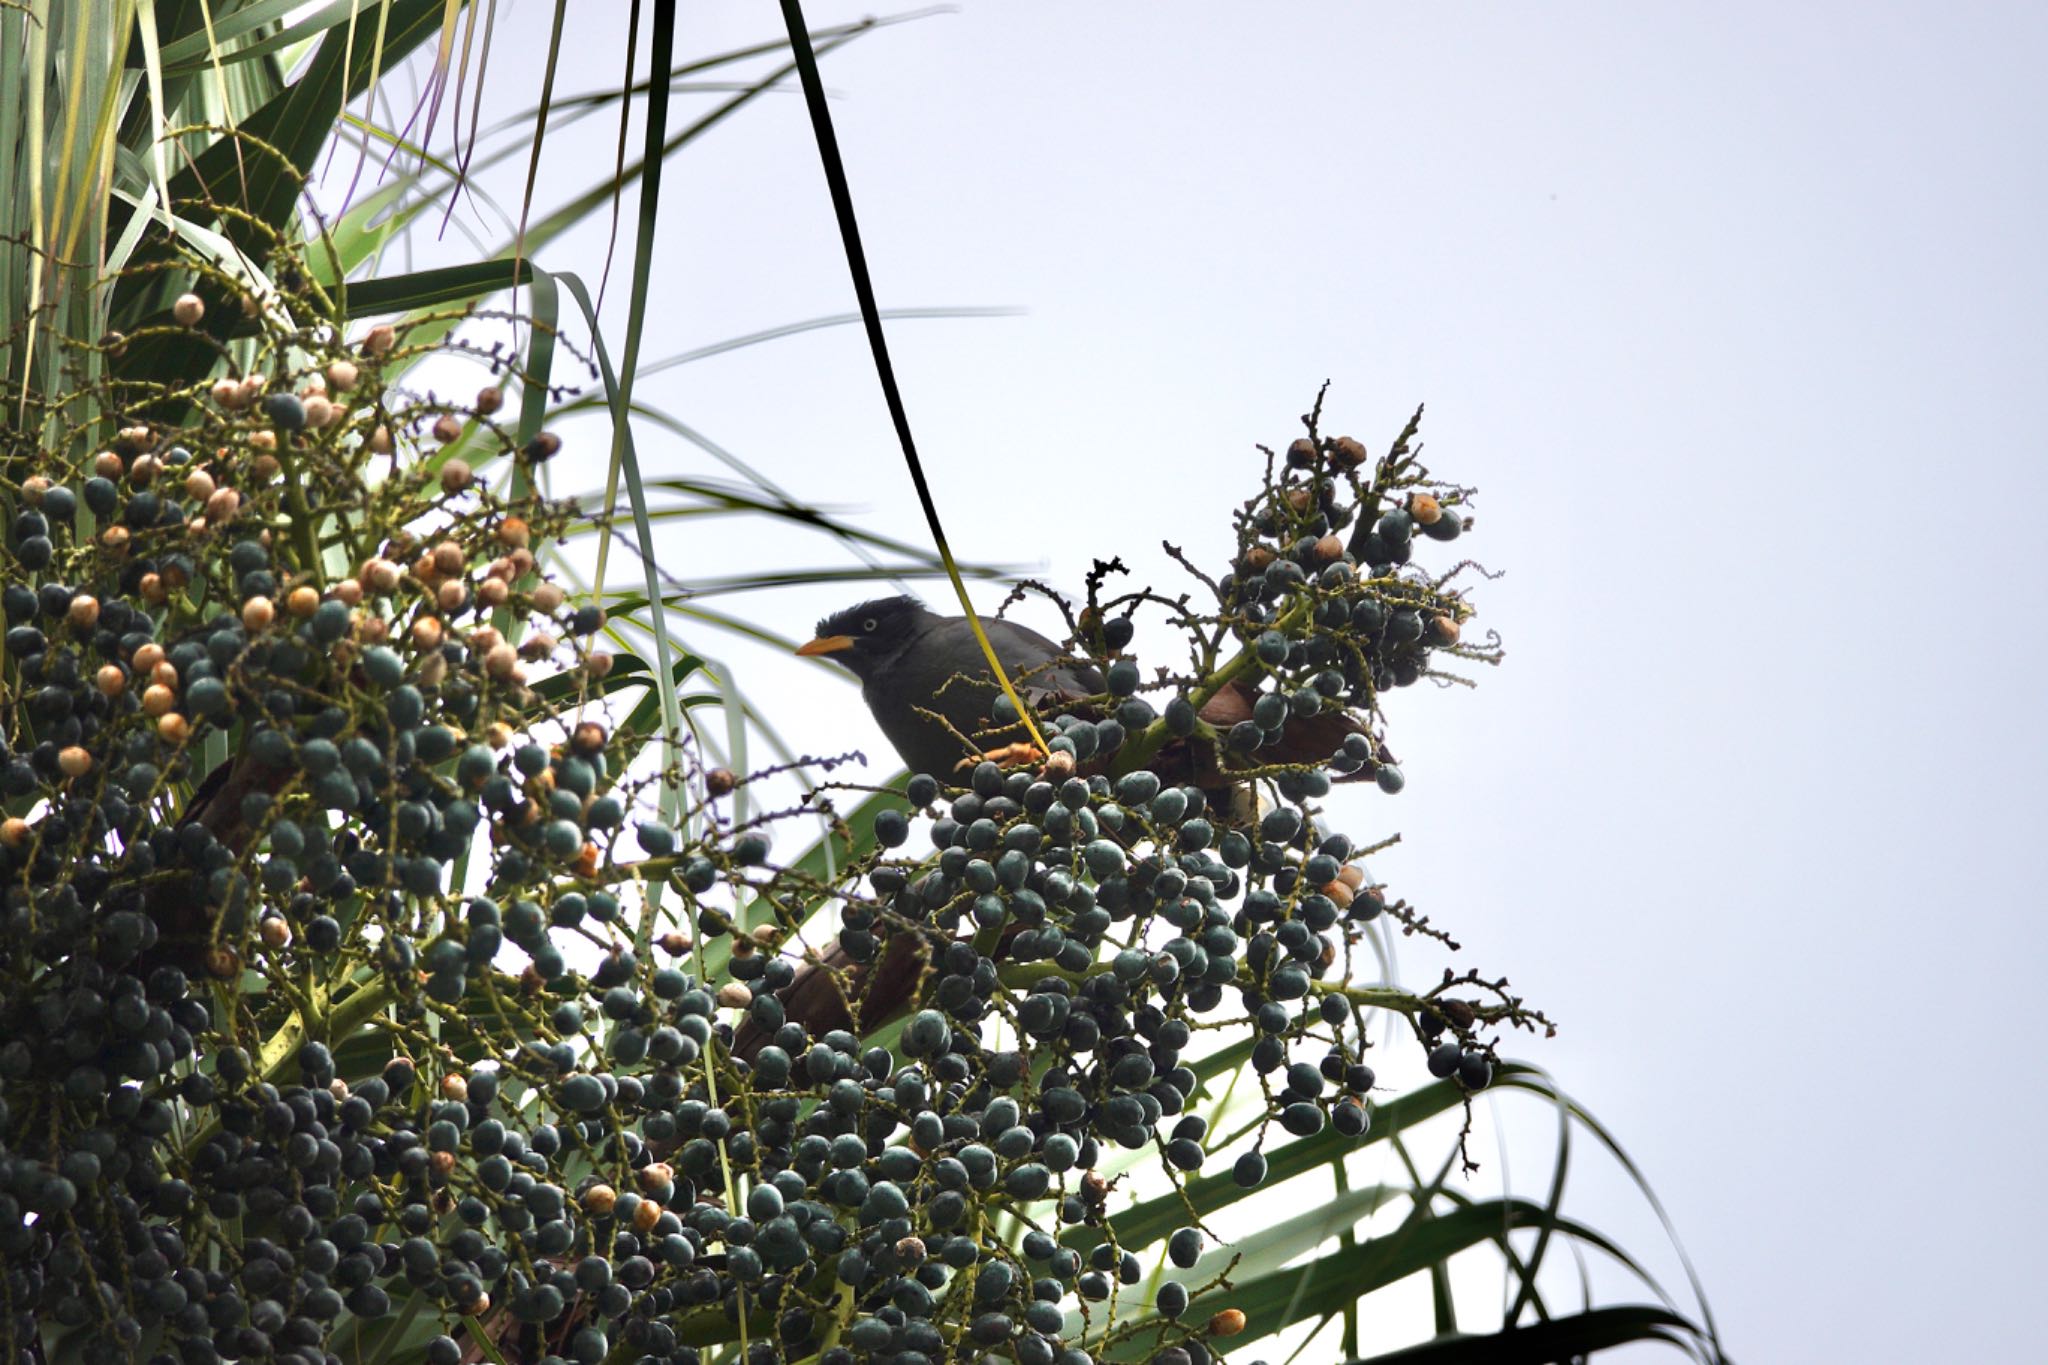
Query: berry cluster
(342, 1018)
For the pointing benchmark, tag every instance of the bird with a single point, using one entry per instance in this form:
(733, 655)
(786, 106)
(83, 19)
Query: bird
(926, 681)
(914, 663)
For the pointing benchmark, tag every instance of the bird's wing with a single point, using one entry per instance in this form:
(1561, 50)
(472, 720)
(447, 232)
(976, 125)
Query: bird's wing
(1026, 654)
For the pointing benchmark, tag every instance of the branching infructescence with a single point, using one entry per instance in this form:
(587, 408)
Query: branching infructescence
(345, 964)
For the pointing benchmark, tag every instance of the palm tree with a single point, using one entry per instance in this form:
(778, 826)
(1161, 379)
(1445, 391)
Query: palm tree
(168, 290)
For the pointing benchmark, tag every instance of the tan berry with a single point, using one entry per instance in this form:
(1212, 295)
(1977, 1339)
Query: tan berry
(199, 485)
(223, 505)
(319, 412)
(84, 611)
(1443, 629)
(447, 427)
(489, 399)
(513, 531)
(380, 439)
(147, 656)
(544, 446)
(107, 465)
(276, 933)
(735, 995)
(222, 962)
(115, 538)
(600, 1200)
(1329, 549)
(373, 630)
(493, 593)
(187, 311)
(1426, 510)
(548, 597)
(587, 738)
(452, 595)
(302, 601)
(497, 734)
(455, 1088)
(456, 476)
(484, 639)
(228, 394)
(427, 633)
(522, 562)
(174, 728)
(74, 761)
(380, 576)
(342, 375)
(1227, 1323)
(449, 558)
(263, 440)
(164, 674)
(433, 668)
(501, 660)
(111, 680)
(14, 831)
(349, 591)
(538, 645)
(380, 339)
(33, 487)
(598, 664)
(1347, 452)
(646, 1216)
(252, 306)
(720, 781)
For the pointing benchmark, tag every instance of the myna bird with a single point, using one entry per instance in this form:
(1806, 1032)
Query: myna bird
(914, 665)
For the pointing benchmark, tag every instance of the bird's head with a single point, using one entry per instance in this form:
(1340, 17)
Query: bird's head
(864, 637)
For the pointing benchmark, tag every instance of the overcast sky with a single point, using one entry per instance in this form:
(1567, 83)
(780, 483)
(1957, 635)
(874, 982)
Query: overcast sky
(1734, 315)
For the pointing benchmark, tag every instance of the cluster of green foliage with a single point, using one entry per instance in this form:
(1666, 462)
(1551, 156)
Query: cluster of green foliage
(381, 928)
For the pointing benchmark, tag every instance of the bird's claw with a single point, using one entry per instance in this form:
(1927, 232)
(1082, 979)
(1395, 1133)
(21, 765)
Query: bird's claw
(1009, 756)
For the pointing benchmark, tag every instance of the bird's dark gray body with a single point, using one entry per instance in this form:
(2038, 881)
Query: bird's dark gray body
(911, 660)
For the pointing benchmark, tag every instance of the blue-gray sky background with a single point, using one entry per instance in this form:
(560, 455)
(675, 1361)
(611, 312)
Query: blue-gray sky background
(1734, 315)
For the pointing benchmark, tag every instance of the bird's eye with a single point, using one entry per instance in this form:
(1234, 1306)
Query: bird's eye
(868, 625)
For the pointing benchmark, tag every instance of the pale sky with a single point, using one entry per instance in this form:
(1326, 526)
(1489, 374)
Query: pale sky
(1732, 313)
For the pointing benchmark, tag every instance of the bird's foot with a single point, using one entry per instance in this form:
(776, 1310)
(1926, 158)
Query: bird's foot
(1009, 756)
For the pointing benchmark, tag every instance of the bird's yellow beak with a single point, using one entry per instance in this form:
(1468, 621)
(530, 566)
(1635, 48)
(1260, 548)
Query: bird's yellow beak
(825, 644)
